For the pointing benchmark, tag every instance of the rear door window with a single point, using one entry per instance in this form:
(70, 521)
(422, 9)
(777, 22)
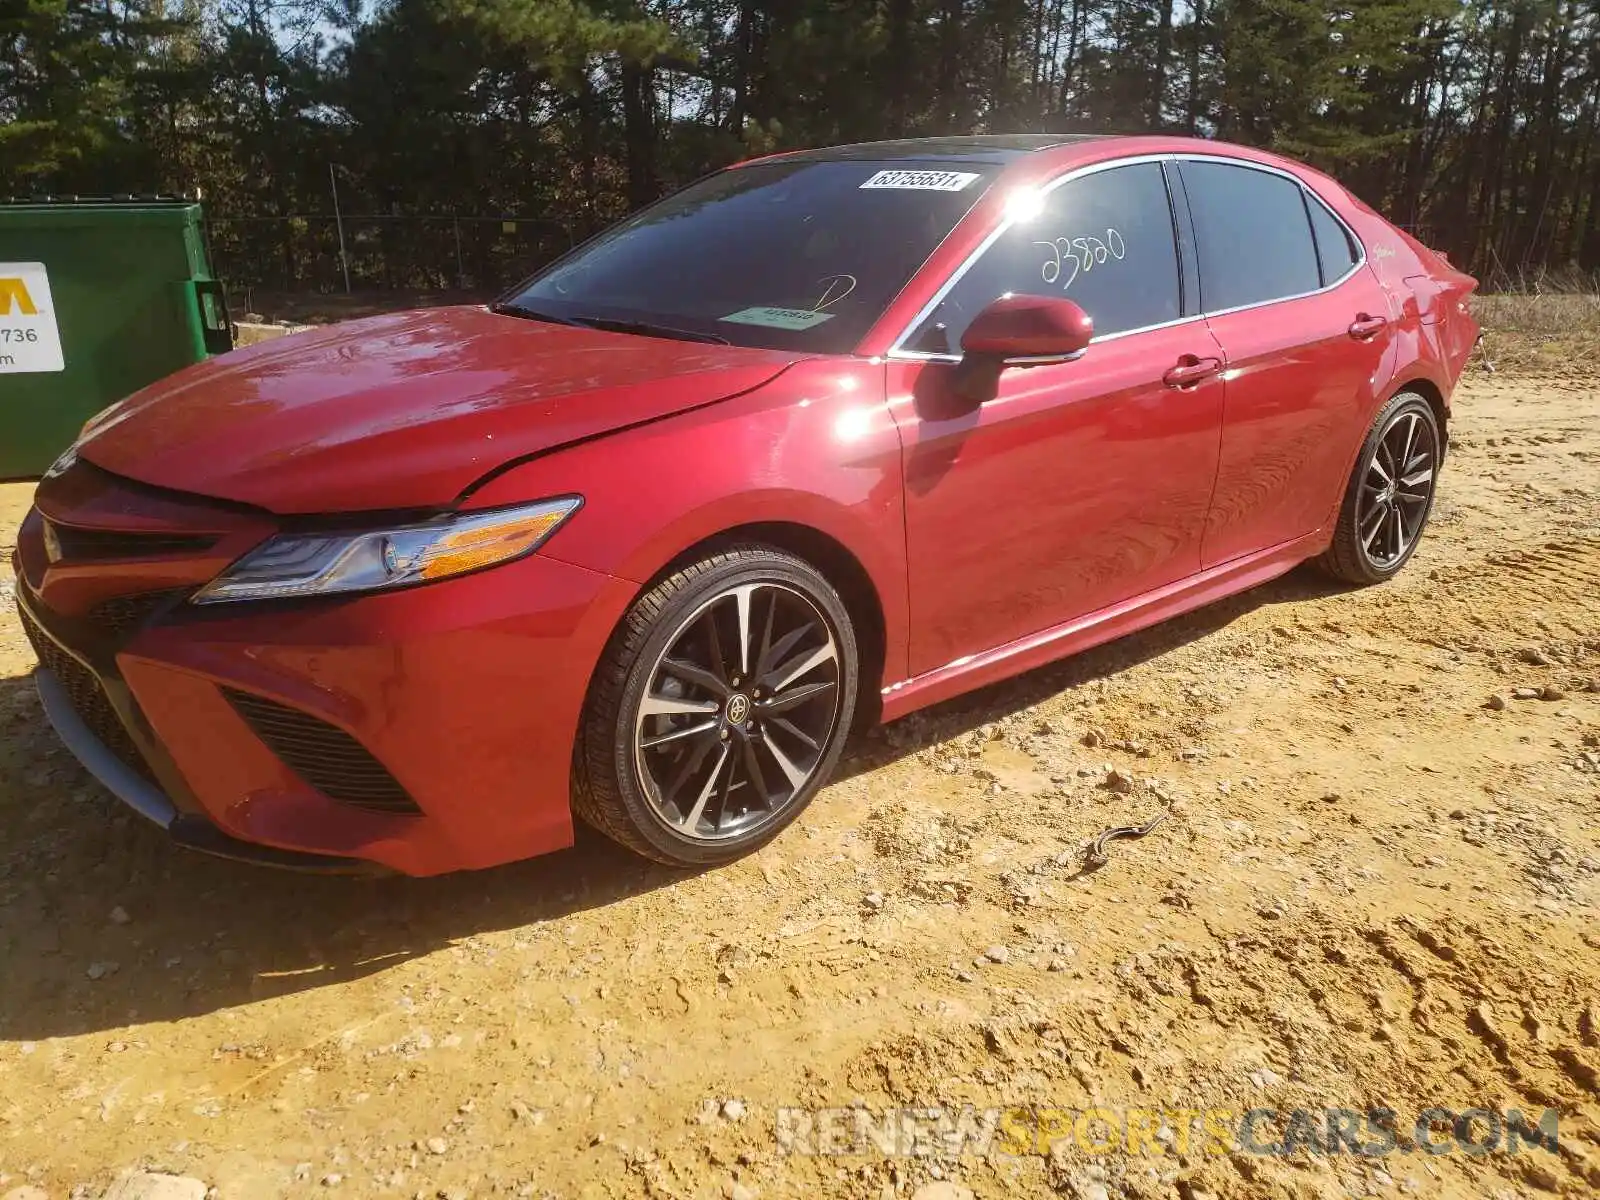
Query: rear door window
(1104, 240)
(1252, 233)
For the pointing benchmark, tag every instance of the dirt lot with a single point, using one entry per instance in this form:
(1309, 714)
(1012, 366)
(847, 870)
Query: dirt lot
(1376, 890)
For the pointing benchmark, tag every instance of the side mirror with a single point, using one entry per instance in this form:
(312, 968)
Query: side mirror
(1019, 331)
(1029, 327)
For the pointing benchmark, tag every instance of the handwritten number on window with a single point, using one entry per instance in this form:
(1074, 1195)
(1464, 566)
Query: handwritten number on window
(1071, 257)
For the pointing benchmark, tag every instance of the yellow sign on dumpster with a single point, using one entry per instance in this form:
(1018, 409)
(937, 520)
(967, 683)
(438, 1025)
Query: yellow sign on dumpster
(29, 338)
(14, 294)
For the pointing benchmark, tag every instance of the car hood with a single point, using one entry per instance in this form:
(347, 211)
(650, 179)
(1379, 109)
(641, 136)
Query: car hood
(403, 411)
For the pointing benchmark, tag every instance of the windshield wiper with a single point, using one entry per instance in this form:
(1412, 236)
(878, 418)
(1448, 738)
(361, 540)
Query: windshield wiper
(533, 314)
(610, 325)
(650, 329)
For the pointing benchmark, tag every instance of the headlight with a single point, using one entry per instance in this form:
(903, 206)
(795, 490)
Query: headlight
(323, 564)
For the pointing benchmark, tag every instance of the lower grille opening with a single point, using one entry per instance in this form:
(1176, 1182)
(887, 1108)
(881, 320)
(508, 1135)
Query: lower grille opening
(121, 615)
(323, 755)
(87, 697)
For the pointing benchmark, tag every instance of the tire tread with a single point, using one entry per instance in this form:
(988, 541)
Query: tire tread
(596, 796)
(1343, 559)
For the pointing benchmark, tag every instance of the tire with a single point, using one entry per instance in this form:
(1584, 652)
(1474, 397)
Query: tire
(1386, 508)
(761, 637)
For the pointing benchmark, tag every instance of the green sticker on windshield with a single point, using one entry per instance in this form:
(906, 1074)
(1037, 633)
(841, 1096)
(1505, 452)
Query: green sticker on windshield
(778, 318)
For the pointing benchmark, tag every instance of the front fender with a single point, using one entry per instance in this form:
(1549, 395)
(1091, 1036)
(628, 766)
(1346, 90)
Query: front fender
(817, 448)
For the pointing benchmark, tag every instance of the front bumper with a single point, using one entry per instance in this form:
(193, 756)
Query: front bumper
(121, 780)
(464, 695)
(146, 799)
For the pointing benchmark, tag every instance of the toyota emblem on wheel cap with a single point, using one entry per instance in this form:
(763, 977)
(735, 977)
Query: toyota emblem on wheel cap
(738, 708)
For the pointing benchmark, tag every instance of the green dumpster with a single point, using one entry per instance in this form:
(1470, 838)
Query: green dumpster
(97, 299)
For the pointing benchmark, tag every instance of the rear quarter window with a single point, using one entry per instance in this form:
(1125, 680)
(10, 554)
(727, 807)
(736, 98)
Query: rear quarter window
(1336, 252)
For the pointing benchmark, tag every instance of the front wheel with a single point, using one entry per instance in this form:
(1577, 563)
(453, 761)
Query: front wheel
(1390, 494)
(719, 708)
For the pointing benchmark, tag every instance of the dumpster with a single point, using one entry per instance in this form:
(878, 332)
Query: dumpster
(97, 299)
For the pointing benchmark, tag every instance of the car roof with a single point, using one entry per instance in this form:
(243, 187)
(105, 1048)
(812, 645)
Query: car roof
(985, 148)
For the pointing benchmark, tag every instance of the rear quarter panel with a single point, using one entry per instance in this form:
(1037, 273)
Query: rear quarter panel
(1434, 327)
(1421, 348)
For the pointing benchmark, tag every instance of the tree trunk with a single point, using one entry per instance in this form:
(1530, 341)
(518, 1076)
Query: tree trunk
(1589, 250)
(1158, 80)
(1197, 30)
(1541, 185)
(1047, 90)
(1491, 192)
(588, 106)
(897, 49)
(1070, 66)
(639, 132)
(744, 53)
(951, 102)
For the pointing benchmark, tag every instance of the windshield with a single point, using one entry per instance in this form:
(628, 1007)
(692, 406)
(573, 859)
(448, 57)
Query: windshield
(784, 255)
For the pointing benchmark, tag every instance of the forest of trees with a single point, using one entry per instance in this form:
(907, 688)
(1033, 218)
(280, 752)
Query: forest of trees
(468, 139)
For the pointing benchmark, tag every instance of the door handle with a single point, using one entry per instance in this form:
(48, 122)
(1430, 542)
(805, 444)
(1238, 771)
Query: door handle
(1191, 370)
(1364, 326)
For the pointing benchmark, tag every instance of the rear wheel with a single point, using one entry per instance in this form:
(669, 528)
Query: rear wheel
(1390, 494)
(719, 708)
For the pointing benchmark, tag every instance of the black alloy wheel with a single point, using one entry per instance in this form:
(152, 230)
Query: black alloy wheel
(720, 708)
(1390, 494)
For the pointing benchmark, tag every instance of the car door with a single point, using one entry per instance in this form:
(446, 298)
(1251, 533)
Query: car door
(1077, 484)
(1304, 328)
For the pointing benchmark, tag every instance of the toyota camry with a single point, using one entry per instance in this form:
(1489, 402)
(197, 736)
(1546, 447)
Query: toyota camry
(814, 442)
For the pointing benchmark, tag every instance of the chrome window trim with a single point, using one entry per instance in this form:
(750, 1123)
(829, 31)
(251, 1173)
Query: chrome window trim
(1044, 360)
(897, 349)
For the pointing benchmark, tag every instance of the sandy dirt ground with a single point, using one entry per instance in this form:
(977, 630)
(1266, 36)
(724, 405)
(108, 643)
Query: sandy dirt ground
(1378, 887)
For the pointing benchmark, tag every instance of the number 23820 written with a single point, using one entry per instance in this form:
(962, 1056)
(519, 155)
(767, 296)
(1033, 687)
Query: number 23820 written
(1071, 257)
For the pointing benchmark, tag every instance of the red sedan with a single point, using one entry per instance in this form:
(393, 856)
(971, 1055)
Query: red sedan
(819, 440)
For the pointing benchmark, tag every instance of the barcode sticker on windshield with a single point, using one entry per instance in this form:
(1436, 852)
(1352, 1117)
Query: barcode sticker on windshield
(778, 318)
(921, 181)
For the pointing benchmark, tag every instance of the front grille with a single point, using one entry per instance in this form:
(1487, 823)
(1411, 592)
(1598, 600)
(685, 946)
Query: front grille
(121, 615)
(72, 543)
(87, 697)
(323, 755)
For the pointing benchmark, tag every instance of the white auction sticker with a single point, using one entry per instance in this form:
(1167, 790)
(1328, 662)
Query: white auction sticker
(29, 338)
(921, 181)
